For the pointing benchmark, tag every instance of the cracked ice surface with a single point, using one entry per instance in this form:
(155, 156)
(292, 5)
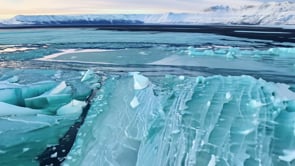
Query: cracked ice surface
(35, 116)
(189, 121)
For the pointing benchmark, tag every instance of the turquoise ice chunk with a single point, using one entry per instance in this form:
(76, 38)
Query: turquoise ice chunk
(15, 93)
(51, 100)
(234, 120)
(12, 110)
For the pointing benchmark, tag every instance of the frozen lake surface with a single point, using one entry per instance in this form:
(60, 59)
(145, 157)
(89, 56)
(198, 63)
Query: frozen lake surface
(83, 96)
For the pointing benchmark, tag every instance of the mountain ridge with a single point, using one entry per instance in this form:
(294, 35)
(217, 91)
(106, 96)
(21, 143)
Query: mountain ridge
(271, 13)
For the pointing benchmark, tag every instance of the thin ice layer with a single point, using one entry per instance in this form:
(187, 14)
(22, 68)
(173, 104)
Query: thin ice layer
(189, 121)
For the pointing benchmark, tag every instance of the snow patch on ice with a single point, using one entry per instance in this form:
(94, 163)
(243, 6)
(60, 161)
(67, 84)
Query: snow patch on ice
(140, 81)
(256, 104)
(212, 161)
(58, 89)
(288, 156)
(88, 75)
(54, 155)
(74, 107)
(134, 103)
(15, 49)
(70, 51)
(283, 92)
(181, 77)
(228, 96)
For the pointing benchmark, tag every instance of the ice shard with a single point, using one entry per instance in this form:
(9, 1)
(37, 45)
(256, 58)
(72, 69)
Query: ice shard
(51, 100)
(35, 116)
(15, 93)
(11, 110)
(140, 81)
(234, 120)
(235, 52)
(74, 107)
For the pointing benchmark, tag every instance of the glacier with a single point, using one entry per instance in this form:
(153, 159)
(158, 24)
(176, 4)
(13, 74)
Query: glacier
(216, 120)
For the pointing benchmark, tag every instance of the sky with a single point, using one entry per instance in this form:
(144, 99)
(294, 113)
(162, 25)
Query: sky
(10, 8)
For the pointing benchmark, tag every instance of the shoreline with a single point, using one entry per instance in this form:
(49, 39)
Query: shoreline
(277, 34)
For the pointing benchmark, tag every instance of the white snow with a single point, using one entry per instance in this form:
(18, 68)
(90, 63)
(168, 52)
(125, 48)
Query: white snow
(140, 81)
(134, 103)
(209, 103)
(256, 104)
(270, 13)
(70, 51)
(89, 74)
(15, 49)
(212, 161)
(74, 107)
(58, 89)
(289, 155)
(228, 95)
(283, 92)
(181, 77)
(54, 155)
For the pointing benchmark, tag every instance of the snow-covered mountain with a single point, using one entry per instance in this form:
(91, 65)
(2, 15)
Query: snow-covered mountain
(71, 19)
(272, 13)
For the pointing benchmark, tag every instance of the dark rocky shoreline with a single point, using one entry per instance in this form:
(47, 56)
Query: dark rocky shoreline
(277, 34)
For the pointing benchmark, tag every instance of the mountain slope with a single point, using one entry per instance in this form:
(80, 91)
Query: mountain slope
(282, 13)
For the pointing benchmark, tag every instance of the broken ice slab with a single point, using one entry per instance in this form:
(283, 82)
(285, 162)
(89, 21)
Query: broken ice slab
(140, 81)
(48, 103)
(89, 74)
(15, 93)
(12, 110)
(234, 52)
(60, 88)
(192, 121)
(89, 81)
(23, 138)
(48, 96)
(74, 107)
(25, 132)
(51, 100)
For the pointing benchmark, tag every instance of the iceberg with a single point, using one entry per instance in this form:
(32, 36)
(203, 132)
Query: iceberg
(74, 107)
(212, 120)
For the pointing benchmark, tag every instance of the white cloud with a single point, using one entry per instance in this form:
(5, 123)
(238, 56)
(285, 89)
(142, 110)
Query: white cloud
(14, 7)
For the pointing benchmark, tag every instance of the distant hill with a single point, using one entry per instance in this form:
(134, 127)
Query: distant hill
(280, 13)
